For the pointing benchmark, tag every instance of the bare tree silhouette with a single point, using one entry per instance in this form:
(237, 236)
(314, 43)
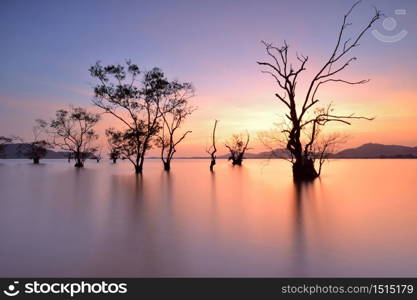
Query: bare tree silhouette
(275, 140)
(212, 149)
(325, 146)
(137, 105)
(286, 75)
(237, 147)
(73, 131)
(38, 147)
(175, 111)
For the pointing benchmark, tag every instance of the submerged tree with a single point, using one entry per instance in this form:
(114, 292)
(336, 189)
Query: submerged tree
(286, 74)
(38, 147)
(237, 146)
(73, 131)
(114, 151)
(320, 146)
(320, 149)
(126, 144)
(36, 150)
(136, 104)
(212, 149)
(325, 146)
(174, 113)
(98, 153)
(114, 155)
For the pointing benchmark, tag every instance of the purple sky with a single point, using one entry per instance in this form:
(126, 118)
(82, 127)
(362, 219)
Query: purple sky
(47, 47)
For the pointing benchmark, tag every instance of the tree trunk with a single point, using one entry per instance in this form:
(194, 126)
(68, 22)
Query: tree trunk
(139, 163)
(79, 163)
(114, 160)
(212, 163)
(36, 160)
(236, 162)
(303, 170)
(303, 167)
(138, 169)
(167, 165)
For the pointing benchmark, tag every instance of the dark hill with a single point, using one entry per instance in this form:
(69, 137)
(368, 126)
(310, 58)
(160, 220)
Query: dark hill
(372, 150)
(12, 151)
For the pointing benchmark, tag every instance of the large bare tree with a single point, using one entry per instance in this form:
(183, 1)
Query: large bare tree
(299, 110)
(73, 131)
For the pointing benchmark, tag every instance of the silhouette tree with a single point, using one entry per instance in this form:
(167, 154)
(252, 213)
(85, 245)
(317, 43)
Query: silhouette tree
(98, 153)
(237, 147)
(137, 105)
(286, 74)
(325, 146)
(114, 155)
(38, 147)
(212, 149)
(320, 150)
(127, 144)
(73, 131)
(114, 151)
(174, 112)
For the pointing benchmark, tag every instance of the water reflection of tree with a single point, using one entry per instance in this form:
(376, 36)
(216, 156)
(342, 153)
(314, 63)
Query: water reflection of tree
(214, 202)
(303, 192)
(166, 188)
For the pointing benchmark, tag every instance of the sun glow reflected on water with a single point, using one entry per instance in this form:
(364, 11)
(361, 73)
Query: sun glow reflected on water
(359, 219)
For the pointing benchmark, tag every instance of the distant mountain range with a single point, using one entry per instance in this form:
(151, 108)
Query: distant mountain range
(369, 150)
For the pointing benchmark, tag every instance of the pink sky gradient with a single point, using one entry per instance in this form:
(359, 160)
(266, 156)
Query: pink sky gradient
(215, 46)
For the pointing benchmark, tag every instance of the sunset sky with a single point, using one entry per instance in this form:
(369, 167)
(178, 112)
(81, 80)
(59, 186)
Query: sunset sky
(48, 46)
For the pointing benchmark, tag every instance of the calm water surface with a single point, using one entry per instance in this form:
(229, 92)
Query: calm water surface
(359, 219)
